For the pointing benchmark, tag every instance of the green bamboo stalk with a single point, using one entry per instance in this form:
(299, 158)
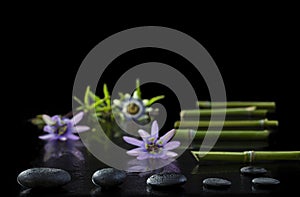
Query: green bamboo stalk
(231, 112)
(224, 135)
(230, 145)
(247, 156)
(259, 105)
(254, 124)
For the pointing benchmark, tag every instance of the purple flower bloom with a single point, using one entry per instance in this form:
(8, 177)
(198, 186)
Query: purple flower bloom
(62, 128)
(151, 146)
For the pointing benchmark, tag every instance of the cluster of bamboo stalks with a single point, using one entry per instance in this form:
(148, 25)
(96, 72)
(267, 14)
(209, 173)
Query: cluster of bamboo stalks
(237, 124)
(241, 120)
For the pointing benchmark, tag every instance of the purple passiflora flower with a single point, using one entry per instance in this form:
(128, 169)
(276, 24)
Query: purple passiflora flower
(60, 128)
(151, 146)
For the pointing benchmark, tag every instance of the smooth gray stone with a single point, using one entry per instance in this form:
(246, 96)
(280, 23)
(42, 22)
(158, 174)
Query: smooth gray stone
(169, 179)
(43, 178)
(108, 177)
(265, 182)
(216, 183)
(252, 170)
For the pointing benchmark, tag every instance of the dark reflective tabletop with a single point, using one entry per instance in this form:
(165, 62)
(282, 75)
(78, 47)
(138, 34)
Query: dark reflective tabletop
(74, 157)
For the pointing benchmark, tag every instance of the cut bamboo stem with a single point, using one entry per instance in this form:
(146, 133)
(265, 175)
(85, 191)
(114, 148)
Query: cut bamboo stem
(230, 145)
(249, 112)
(230, 104)
(247, 156)
(246, 135)
(254, 124)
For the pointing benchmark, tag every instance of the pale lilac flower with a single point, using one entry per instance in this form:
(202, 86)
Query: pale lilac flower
(151, 146)
(62, 128)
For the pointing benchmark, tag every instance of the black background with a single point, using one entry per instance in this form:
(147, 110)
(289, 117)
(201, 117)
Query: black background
(256, 52)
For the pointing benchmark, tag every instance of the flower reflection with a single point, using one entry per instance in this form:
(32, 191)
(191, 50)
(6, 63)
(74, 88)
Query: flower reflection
(56, 149)
(149, 166)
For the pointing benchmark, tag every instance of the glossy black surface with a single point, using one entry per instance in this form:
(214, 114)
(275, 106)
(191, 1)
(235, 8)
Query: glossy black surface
(73, 157)
(255, 53)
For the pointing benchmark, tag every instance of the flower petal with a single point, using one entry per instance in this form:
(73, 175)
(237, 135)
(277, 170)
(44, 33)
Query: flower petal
(143, 134)
(149, 109)
(63, 138)
(49, 129)
(73, 137)
(135, 151)
(135, 95)
(145, 102)
(172, 145)
(48, 120)
(133, 141)
(171, 154)
(77, 118)
(127, 96)
(164, 139)
(80, 128)
(117, 102)
(143, 155)
(154, 129)
(47, 137)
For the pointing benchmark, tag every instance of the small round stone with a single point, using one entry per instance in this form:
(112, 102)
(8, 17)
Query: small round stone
(43, 178)
(169, 179)
(265, 182)
(252, 170)
(108, 177)
(216, 183)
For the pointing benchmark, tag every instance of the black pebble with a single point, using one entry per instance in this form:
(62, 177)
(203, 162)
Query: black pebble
(108, 177)
(169, 179)
(252, 170)
(265, 182)
(43, 178)
(216, 183)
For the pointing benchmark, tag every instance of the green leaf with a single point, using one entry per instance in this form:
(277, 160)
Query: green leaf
(102, 109)
(37, 121)
(154, 99)
(99, 102)
(106, 95)
(86, 96)
(78, 100)
(48, 120)
(94, 96)
(138, 89)
(105, 91)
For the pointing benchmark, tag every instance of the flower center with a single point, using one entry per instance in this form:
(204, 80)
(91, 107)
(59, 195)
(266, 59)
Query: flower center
(61, 130)
(132, 108)
(153, 148)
